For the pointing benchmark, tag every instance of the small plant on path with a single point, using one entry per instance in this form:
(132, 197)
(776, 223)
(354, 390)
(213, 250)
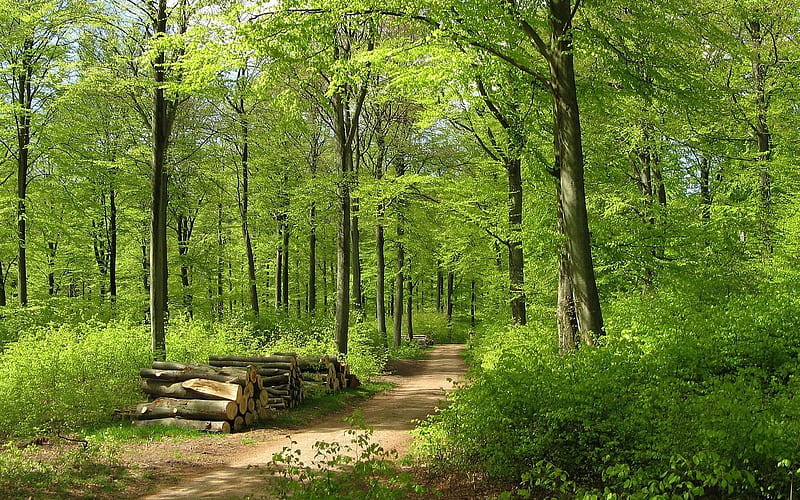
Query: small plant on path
(360, 469)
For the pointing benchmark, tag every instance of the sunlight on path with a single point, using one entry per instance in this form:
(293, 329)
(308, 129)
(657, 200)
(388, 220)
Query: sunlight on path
(392, 415)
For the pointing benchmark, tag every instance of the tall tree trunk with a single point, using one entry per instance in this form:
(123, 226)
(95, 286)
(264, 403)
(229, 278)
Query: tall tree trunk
(52, 248)
(355, 247)
(285, 268)
(220, 305)
(516, 261)
(312, 261)
(576, 221)
(397, 317)
(279, 266)
(380, 280)
(472, 303)
(449, 305)
(565, 308)
(244, 207)
(439, 286)
(705, 187)
(23, 118)
(763, 136)
(185, 226)
(112, 246)
(409, 305)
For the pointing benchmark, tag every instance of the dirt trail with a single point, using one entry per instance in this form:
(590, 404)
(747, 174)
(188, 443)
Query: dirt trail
(420, 387)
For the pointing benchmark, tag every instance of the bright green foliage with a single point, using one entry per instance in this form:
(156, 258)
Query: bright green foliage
(702, 404)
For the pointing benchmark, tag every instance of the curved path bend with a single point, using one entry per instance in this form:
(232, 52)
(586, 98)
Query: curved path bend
(420, 388)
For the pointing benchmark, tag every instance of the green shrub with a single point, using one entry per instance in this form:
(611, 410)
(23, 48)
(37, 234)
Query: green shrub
(684, 397)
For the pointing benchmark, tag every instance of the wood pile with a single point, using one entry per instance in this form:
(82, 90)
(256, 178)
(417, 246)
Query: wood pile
(326, 373)
(202, 397)
(422, 340)
(279, 374)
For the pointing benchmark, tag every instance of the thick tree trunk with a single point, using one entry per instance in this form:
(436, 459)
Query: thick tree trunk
(763, 136)
(159, 181)
(344, 153)
(576, 221)
(516, 261)
(565, 306)
(397, 317)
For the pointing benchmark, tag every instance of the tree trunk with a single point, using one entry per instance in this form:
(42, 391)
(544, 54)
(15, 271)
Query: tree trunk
(244, 208)
(439, 286)
(449, 306)
(52, 249)
(397, 317)
(112, 246)
(285, 268)
(409, 306)
(185, 224)
(565, 306)
(192, 409)
(763, 136)
(516, 261)
(344, 157)
(355, 247)
(220, 304)
(576, 221)
(312, 261)
(159, 180)
(705, 187)
(472, 304)
(24, 99)
(380, 280)
(279, 267)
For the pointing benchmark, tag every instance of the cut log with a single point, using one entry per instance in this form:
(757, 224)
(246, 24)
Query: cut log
(200, 425)
(248, 418)
(272, 364)
(238, 423)
(228, 375)
(213, 389)
(254, 359)
(192, 409)
(276, 380)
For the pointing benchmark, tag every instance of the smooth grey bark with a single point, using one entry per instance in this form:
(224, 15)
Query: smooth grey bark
(570, 145)
(244, 203)
(24, 98)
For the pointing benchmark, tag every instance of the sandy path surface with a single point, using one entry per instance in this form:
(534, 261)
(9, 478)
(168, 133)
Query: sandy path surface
(420, 388)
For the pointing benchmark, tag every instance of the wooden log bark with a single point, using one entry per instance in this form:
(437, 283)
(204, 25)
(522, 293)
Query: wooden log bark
(232, 376)
(255, 359)
(244, 364)
(192, 409)
(159, 388)
(200, 425)
(238, 423)
(212, 389)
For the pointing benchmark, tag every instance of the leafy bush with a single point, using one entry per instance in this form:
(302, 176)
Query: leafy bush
(685, 399)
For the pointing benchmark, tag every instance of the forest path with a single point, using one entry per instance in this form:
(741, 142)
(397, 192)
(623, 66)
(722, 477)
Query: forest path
(420, 388)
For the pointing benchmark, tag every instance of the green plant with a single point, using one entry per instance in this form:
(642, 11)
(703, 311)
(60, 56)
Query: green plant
(360, 469)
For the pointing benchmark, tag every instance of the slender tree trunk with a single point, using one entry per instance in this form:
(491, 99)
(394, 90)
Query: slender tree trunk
(279, 267)
(285, 268)
(449, 305)
(52, 248)
(185, 224)
(576, 221)
(409, 306)
(705, 187)
(472, 303)
(112, 247)
(439, 286)
(244, 207)
(380, 281)
(24, 98)
(397, 317)
(355, 247)
(344, 153)
(312, 261)
(516, 261)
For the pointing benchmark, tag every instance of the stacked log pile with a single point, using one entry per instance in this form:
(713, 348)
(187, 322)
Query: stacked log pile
(202, 397)
(326, 373)
(279, 373)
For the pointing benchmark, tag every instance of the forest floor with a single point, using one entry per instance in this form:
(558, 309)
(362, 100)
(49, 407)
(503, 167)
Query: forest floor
(232, 466)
